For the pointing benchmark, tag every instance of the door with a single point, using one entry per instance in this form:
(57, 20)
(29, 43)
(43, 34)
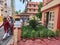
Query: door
(46, 17)
(51, 20)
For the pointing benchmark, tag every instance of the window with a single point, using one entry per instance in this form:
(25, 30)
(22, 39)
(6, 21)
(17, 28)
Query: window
(1, 9)
(50, 17)
(30, 5)
(1, 2)
(34, 5)
(5, 4)
(34, 10)
(6, 11)
(50, 25)
(29, 9)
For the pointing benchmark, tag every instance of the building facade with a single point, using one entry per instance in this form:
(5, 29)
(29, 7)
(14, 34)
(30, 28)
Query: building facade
(22, 15)
(7, 8)
(51, 14)
(32, 8)
(1, 10)
(1, 7)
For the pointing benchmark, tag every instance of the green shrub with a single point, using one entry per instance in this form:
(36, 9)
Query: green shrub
(37, 34)
(40, 27)
(45, 32)
(33, 34)
(26, 32)
(29, 32)
(56, 33)
(41, 33)
(50, 33)
(33, 23)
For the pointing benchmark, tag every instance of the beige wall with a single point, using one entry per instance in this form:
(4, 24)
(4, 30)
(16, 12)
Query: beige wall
(51, 4)
(7, 8)
(55, 17)
(43, 18)
(56, 12)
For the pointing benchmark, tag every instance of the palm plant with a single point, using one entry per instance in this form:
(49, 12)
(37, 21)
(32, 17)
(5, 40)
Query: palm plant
(25, 1)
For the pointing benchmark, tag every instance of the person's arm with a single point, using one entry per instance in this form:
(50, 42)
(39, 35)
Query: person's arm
(1, 25)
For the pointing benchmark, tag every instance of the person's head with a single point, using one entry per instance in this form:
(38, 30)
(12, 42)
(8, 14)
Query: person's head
(4, 19)
(11, 18)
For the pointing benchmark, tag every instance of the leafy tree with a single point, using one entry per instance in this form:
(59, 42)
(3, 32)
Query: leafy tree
(39, 14)
(16, 12)
(39, 7)
(33, 23)
(25, 1)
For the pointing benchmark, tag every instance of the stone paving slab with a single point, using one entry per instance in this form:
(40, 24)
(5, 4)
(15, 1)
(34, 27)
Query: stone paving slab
(10, 41)
(1, 35)
(5, 41)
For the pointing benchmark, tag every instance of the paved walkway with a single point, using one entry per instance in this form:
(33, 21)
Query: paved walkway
(1, 35)
(10, 41)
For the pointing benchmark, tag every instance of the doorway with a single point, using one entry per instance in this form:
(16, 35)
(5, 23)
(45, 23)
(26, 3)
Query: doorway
(46, 19)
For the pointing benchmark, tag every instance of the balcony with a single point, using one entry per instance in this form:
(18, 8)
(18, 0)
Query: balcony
(32, 7)
(32, 12)
(1, 2)
(51, 4)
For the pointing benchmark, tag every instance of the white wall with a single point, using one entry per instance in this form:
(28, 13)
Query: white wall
(9, 3)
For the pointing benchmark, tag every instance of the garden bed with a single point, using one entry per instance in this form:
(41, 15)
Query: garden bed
(39, 32)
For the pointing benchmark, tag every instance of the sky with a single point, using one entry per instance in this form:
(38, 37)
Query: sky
(20, 6)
